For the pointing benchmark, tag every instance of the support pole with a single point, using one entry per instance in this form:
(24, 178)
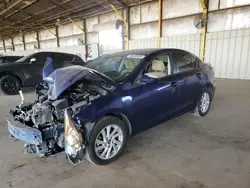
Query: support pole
(57, 37)
(38, 41)
(159, 23)
(85, 38)
(12, 42)
(204, 5)
(4, 47)
(125, 23)
(24, 44)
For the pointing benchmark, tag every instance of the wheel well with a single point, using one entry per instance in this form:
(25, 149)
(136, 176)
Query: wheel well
(123, 118)
(10, 73)
(209, 85)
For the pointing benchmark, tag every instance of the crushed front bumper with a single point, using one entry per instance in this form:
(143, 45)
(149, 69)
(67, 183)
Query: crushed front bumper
(23, 132)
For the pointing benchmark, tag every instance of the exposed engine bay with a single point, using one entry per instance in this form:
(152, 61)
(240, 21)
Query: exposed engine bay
(47, 115)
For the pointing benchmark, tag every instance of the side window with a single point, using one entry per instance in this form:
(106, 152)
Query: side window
(11, 59)
(67, 58)
(77, 59)
(159, 66)
(184, 61)
(40, 58)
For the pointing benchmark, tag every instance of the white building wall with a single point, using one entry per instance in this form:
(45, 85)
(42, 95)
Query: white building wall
(229, 53)
(177, 8)
(228, 27)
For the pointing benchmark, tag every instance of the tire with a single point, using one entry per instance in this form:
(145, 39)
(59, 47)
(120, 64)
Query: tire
(199, 111)
(92, 155)
(13, 87)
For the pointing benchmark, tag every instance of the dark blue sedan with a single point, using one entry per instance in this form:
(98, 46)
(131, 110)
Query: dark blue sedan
(147, 87)
(93, 110)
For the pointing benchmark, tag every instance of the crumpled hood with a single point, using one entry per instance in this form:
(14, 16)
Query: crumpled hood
(63, 78)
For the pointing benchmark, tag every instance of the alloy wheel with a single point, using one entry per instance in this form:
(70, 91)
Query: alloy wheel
(205, 102)
(108, 142)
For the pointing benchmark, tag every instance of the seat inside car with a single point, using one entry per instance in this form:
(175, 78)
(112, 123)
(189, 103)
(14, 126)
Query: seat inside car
(158, 69)
(129, 65)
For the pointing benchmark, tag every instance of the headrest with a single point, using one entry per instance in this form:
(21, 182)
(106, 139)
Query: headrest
(158, 65)
(130, 64)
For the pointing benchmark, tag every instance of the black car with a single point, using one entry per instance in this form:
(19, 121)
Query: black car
(27, 71)
(9, 59)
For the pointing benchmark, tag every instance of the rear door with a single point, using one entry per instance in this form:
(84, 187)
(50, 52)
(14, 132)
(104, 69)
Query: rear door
(189, 79)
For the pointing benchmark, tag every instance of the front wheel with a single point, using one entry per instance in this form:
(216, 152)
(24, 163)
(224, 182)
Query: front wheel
(9, 85)
(204, 103)
(107, 141)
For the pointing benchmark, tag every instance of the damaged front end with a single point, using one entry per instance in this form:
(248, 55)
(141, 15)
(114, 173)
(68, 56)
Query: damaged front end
(41, 124)
(35, 125)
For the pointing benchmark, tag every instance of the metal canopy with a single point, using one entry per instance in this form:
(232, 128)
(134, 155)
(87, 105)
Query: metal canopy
(18, 17)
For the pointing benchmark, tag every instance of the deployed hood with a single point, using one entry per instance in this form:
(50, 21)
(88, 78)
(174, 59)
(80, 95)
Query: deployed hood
(61, 79)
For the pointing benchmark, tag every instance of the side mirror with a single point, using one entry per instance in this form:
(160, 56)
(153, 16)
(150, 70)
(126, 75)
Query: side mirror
(146, 79)
(32, 60)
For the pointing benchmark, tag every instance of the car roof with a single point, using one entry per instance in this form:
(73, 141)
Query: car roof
(54, 53)
(146, 51)
(11, 55)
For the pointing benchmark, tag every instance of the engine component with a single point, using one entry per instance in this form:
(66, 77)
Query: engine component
(59, 106)
(47, 116)
(41, 114)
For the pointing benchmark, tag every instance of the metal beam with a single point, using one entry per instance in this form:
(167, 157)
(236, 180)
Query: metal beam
(204, 5)
(122, 3)
(53, 17)
(57, 37)
(159, 23)
(19, 10)
(19, 39)
(12, 42)
(4, 47)
(38, 41)
(76, 24)
(125, 23)
(11, 6)
(31, 36)
(49, 30)
(42, 12)
(24, 44)
(85, 38)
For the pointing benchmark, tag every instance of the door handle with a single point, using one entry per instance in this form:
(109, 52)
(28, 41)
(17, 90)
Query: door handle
(174, 84)
(199, 75)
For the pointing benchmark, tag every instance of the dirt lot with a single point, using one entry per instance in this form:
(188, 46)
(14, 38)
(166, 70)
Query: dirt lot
(187, 152)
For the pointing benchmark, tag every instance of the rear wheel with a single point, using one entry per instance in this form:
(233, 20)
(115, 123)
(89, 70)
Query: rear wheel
(9, 85)
(204, 103)
(107, 141)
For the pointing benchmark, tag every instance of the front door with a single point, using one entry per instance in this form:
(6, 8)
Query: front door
(156, 99)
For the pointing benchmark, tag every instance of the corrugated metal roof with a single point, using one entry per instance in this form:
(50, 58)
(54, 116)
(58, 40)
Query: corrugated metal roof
(24, 16)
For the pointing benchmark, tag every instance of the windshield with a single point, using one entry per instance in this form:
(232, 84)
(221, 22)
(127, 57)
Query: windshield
(24, 58)
(116, 67)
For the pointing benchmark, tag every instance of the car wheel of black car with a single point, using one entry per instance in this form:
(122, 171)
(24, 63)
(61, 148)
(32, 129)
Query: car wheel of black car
(9, 85)
(107, 141)
(204, 103)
